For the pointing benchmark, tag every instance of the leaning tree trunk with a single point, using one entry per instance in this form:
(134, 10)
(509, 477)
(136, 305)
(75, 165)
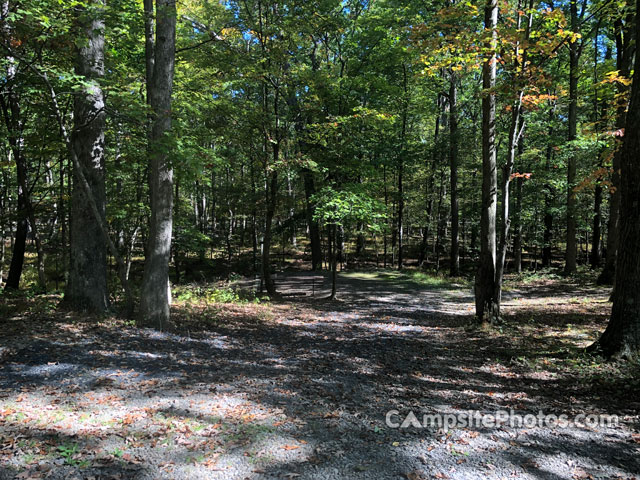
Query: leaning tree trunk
(622, 336)
(87, 287)
(515, 136)
(156, 291)
(486, 288)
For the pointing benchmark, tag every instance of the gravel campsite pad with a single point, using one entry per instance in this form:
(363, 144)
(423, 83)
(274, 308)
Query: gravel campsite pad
(300, 388)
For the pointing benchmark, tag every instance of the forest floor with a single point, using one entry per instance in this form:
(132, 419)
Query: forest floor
(299, 388)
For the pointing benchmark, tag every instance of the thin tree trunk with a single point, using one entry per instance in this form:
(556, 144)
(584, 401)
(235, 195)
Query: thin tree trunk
(334, 260)
(515, 133)
(453, 164)
(600, 120)
(271, 193)
(403, 135)
(594, 258)
(314, 229)
(517, 237)
(441, 218)
(386, 209)
(4, 214)
(428, 191)
(254, 223)
(292, 211)
(11, 110)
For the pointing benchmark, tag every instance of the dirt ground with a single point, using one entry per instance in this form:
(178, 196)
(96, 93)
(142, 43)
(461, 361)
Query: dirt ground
(300, 387)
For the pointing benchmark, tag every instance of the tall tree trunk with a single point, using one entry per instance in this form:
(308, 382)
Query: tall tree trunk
(624, 52)
(272, 195)
(11, 110)
(429, 189)
(622, 336)
(453, 164)
(87, 287)
(594, 257)
(574, 56)
(517, 219)
(548, 198)
(400, 218)
(441, 217)
(486, 288)
(4, 214)
(600, 120)
(19, 240)
(386, 209)
(254, 223)
(333, 244)
(156, 291)
(19, 245)
(403, 135)
(314, 228)
(292, 211)
(515, 134)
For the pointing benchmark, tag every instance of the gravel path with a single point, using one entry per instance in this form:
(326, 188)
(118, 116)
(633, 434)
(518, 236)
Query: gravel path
(298, 389)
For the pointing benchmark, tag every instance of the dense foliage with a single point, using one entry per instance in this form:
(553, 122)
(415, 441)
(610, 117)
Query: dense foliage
(332, 133)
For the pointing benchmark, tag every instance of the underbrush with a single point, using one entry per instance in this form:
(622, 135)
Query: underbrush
(412, 277)
(213, 294)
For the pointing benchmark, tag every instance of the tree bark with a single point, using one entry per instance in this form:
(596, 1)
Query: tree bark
(403, 135)
(314, 229)
(4, 211)
(453, 164)
(622, 336)
(486, 288)
(428, 190)
(272, 195)
(156, 292)
(517, 219)
(19, 243)
(574, 56)
(600, 121)
(333, 242)
(12, 114)
(624, 52)
(87, 287)
(515, 134)
(548, 198)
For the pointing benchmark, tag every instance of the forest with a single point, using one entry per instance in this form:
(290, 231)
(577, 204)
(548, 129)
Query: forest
(239, 237)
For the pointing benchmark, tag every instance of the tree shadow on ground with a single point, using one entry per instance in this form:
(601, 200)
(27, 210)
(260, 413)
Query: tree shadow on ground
(305, 390)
